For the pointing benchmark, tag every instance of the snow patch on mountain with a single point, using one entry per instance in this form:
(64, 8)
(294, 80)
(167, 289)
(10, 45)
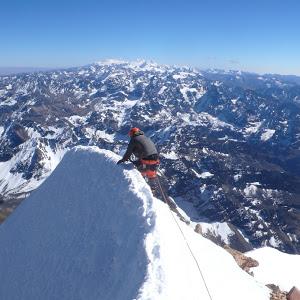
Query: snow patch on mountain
(110, 61)
(276, 267)
(8, 102)
(14, 181)
(188, 92)
(253, 127)
(267, 134)
(99, 134)
(250, 190)
(181, 75)
(170, 155)
(76, 120)
(234, 101)
(218, 229)
(161, 91)
(274, 242)
(94, 231)
(205, 175)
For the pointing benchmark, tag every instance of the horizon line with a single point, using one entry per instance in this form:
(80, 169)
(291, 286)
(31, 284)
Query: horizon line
(13, 70)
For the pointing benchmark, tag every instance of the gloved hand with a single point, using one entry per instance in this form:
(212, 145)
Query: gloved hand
(120, 161)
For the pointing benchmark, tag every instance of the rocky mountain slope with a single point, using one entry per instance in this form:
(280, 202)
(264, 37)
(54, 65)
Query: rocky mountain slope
(229, 141)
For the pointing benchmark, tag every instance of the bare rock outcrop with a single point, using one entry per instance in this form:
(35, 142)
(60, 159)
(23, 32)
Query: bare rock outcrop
(243, 261)
(276, 293)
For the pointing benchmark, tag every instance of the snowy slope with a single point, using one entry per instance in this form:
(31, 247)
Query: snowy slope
(93, 230)
(276, 267)
(13, 181)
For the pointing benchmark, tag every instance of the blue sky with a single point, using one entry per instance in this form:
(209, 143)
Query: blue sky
(258, 35)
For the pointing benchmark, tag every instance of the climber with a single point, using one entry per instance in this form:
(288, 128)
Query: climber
(144, 149)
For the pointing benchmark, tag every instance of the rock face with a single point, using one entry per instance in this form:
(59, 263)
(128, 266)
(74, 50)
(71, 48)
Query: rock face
(276, 293)
(244, 262)
(229, 142)
(4, 212)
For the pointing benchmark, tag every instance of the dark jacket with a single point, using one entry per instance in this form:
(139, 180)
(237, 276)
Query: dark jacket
(141, 146)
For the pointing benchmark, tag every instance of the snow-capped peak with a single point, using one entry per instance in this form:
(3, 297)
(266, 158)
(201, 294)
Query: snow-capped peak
(111, 61)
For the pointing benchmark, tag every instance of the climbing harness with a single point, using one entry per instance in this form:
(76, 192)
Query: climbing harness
(148, 168)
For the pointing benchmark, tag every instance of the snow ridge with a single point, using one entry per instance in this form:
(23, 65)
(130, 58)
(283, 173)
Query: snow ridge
(93, 230)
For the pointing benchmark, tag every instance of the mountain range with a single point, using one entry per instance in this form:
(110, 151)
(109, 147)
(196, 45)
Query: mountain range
(229, 141)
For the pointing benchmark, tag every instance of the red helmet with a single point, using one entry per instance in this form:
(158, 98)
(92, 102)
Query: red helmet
(133, 131)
